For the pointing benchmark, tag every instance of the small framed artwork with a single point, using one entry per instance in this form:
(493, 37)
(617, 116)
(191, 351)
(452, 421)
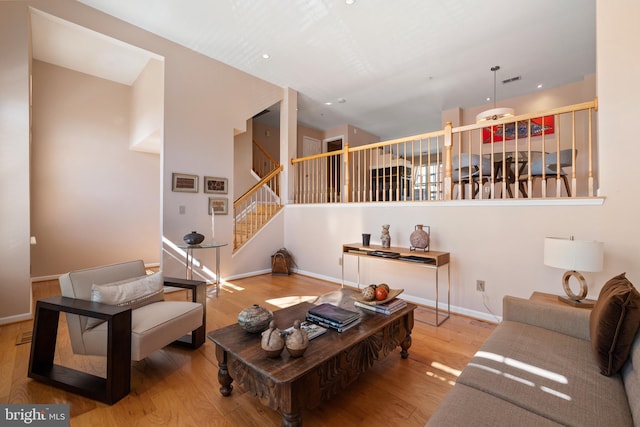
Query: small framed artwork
(184, 182)
(216, 185)
(218, 205)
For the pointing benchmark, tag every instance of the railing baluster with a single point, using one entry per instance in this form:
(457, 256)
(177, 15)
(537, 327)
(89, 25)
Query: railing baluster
(394, 171)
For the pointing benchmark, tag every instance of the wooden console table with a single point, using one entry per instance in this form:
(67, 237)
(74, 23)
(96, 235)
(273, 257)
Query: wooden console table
(429, 259)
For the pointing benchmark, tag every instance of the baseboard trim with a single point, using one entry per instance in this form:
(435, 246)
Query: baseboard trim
(418, 300)
(15, 318)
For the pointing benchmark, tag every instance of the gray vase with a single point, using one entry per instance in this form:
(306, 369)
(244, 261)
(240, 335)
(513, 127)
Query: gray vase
(193, 238)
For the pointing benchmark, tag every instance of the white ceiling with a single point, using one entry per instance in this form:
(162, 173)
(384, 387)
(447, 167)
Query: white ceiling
(397, 64)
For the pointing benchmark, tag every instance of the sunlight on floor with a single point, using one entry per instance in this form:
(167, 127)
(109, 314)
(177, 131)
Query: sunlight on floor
(230, 287)
(444, 368)
(285, 302)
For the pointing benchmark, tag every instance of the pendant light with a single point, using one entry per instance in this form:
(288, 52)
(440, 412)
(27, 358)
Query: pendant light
(495, 113)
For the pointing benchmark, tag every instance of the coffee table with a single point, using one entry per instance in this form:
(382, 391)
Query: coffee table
(332, 361)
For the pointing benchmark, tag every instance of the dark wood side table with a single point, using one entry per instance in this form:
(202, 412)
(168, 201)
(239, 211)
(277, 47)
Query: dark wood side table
(109, 390)
(117, 383)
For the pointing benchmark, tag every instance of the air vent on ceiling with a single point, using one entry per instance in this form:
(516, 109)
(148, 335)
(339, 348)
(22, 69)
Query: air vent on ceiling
(512, 79)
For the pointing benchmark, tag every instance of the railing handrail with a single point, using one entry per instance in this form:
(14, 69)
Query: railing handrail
(319, 156)
(427, 135)
(266, 154)
(258, 186)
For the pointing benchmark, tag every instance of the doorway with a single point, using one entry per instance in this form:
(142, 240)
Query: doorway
(334, 168)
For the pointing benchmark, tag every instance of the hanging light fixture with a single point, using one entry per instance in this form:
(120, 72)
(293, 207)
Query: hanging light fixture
(495, 113)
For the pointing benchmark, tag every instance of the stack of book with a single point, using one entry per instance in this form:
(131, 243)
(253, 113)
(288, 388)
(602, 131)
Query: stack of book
(330, 316)
(386, 308)
(312, 329)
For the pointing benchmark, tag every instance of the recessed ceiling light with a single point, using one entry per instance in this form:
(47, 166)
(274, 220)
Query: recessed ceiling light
(488, 99)
(349, 1)
(328, 103)
(540, 85)
(266, 56)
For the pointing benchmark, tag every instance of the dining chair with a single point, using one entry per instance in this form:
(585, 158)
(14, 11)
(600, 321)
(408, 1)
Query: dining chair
(473, 169)
(553, 168)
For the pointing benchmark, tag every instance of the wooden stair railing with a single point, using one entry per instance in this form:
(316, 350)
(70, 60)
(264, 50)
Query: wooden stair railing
(256, 207)
(263, 163)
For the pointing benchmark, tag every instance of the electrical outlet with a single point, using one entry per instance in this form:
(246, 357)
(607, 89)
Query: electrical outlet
(480, 285)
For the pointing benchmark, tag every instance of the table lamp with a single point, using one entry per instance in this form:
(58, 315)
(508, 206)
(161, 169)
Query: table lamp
(574, 255)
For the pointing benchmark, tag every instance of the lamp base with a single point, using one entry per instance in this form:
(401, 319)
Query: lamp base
(583, 303)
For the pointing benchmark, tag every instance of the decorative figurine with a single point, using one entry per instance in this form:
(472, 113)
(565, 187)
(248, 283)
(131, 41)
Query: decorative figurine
(385, 237)
(297, 340)
(272, 342)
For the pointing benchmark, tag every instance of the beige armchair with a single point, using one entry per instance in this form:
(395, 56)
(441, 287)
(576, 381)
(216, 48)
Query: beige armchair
(117, 311)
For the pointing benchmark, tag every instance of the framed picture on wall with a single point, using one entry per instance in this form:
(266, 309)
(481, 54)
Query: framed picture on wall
(218, 205)
(184, 182)
(216, 185)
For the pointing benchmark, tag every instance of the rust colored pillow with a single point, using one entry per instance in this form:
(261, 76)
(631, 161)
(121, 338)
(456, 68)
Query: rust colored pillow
(613, 324)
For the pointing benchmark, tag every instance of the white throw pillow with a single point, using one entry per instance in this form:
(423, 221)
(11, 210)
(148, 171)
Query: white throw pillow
(133, 293)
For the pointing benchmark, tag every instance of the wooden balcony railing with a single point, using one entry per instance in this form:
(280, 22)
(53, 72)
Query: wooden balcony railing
(548, 154)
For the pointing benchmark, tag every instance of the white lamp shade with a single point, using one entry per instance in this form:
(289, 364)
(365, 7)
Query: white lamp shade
(495, 114)
(578, 255)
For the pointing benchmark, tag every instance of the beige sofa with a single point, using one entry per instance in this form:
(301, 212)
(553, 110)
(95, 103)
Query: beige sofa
(538, 369)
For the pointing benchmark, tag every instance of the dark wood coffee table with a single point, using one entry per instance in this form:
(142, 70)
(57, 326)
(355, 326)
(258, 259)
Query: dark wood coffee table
(332, 361)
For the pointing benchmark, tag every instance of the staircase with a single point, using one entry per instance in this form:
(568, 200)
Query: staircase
(250, 222)
(256, 207)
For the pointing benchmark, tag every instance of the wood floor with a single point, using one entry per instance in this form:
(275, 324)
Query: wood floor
(179, 387)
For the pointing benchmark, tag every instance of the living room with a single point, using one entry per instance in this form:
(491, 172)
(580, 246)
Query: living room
(500, 244)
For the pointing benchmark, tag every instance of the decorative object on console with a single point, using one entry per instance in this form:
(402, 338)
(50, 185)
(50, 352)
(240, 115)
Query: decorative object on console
(297, 340)
(193, 238)
(419, 238)
(494, 113)
(255, 318)
(366, 239)
(272, 342)
(385, 237)
(574, 255)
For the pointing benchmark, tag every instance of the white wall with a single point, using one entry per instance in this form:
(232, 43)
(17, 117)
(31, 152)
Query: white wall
(205, 101)
(243, 179)
(147, 104)
(15, 295)
(94, 201)
(503, 245)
